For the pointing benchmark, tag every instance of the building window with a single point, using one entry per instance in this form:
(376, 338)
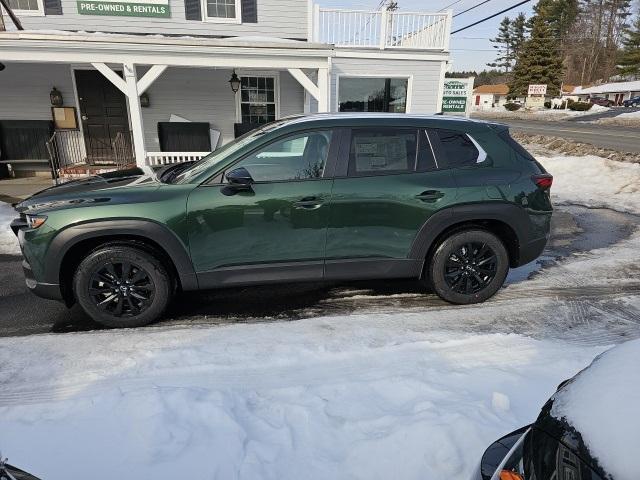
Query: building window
(222, 9)
(359, 94)
(26, 6)
(257, 99)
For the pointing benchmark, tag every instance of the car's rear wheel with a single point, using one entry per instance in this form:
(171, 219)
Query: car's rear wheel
(122, 286)
(467, 267)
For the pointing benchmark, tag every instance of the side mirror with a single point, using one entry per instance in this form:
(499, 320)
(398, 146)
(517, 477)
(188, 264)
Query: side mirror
(239, 178)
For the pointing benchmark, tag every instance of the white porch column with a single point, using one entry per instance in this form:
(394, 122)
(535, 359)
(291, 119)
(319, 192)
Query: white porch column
(135, 113)
(133, 88)
(323, 90)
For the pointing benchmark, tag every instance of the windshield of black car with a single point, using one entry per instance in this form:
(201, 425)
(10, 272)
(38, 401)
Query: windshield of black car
(214, 157)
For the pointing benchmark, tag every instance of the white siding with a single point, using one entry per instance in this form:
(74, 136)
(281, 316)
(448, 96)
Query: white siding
(276, 18)
(423, 88)
(204, 95)
(25, 90)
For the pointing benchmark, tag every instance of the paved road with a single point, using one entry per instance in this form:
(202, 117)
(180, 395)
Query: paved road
(575, 229)
(624, 139)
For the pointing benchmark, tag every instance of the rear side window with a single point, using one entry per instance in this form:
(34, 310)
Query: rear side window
(519, 149)
(456, 149)
(379, 152)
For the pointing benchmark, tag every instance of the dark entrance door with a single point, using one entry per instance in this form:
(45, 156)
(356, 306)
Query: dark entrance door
(103, 110)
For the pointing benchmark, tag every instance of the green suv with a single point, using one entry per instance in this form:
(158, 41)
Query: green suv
(451, 202)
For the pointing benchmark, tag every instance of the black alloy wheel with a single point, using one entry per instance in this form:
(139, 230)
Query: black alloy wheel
(470, 268)
(123, 285)
(122, 289)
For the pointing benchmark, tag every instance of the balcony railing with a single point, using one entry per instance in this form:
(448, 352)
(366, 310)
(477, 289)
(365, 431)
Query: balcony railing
(166, 158)
(381, 29)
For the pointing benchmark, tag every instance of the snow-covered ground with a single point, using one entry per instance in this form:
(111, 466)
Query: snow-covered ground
(377, 396)
(369, 395)
(8, 241)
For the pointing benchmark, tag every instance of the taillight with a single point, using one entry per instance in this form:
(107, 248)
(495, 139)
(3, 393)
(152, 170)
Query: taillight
(543, 181)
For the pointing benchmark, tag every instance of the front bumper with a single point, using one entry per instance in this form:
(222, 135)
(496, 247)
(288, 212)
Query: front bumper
(50, 291)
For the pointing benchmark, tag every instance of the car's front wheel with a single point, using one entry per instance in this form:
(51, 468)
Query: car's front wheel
(467, 267)
(122, 286)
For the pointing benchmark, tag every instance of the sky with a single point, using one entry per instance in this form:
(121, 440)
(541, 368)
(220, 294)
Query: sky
(470, 49)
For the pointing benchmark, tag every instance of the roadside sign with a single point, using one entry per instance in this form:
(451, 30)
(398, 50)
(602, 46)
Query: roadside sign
(456, 95)
(537, 89)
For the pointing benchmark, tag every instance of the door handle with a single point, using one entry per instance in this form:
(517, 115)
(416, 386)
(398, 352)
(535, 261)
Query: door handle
(84, 117)
(308, 203)
(430, 195)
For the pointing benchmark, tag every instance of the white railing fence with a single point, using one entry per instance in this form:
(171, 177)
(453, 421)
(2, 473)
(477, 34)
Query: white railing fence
(166, 158)
(381, 29)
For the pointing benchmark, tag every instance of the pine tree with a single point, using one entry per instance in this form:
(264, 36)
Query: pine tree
(629, 59)
(539, 60)
(502, 42)
(518, 34)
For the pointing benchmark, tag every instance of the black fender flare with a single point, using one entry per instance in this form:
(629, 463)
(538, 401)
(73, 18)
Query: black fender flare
(145, 229)
(512, 215)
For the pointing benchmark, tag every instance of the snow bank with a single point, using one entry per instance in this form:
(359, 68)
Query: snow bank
(630, 115)
(8, 241)
(572, 113)
(377, 396)
(595, 182)
(602, 404)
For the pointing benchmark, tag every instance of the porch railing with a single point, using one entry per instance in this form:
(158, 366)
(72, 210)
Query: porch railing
(165, 158)
(68, 152)
(381, 29)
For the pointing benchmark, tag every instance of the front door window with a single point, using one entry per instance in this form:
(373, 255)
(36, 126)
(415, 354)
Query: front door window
(298, 157)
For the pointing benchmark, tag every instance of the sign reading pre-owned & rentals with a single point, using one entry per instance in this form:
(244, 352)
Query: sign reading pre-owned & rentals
(128, 8)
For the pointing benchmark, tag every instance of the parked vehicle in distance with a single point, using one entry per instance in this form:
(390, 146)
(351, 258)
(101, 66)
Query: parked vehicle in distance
(632, 102)
(603, 102)
(587, 430)
(452, 202)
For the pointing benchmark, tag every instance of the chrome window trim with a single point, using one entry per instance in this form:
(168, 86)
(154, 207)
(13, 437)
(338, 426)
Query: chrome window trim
(435, 159)
(482, 155)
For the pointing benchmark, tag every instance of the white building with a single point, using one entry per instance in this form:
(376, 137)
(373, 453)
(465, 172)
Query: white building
(617, 92)
(156, 79)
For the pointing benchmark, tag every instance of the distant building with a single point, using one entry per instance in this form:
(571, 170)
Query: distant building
(618, 91)
(490, 96)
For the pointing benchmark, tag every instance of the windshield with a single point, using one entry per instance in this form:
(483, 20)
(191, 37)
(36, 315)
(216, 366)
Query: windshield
(216, 156)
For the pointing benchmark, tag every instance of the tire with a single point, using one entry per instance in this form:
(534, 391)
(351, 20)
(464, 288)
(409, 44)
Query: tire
(122, 286)
(463, 278)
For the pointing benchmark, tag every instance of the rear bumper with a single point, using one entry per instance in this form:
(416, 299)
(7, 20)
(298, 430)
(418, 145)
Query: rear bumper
(532, 250)
(50, 291)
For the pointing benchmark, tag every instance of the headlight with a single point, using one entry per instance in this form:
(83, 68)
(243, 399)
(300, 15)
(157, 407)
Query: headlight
(36, 221)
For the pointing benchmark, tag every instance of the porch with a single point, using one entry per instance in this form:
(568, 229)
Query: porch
(150, 101)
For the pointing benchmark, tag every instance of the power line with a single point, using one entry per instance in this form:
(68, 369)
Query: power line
(450, 5)
(490, 17)
(471, 8)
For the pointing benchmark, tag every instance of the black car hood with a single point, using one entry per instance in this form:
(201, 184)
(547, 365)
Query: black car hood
(90, 187)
